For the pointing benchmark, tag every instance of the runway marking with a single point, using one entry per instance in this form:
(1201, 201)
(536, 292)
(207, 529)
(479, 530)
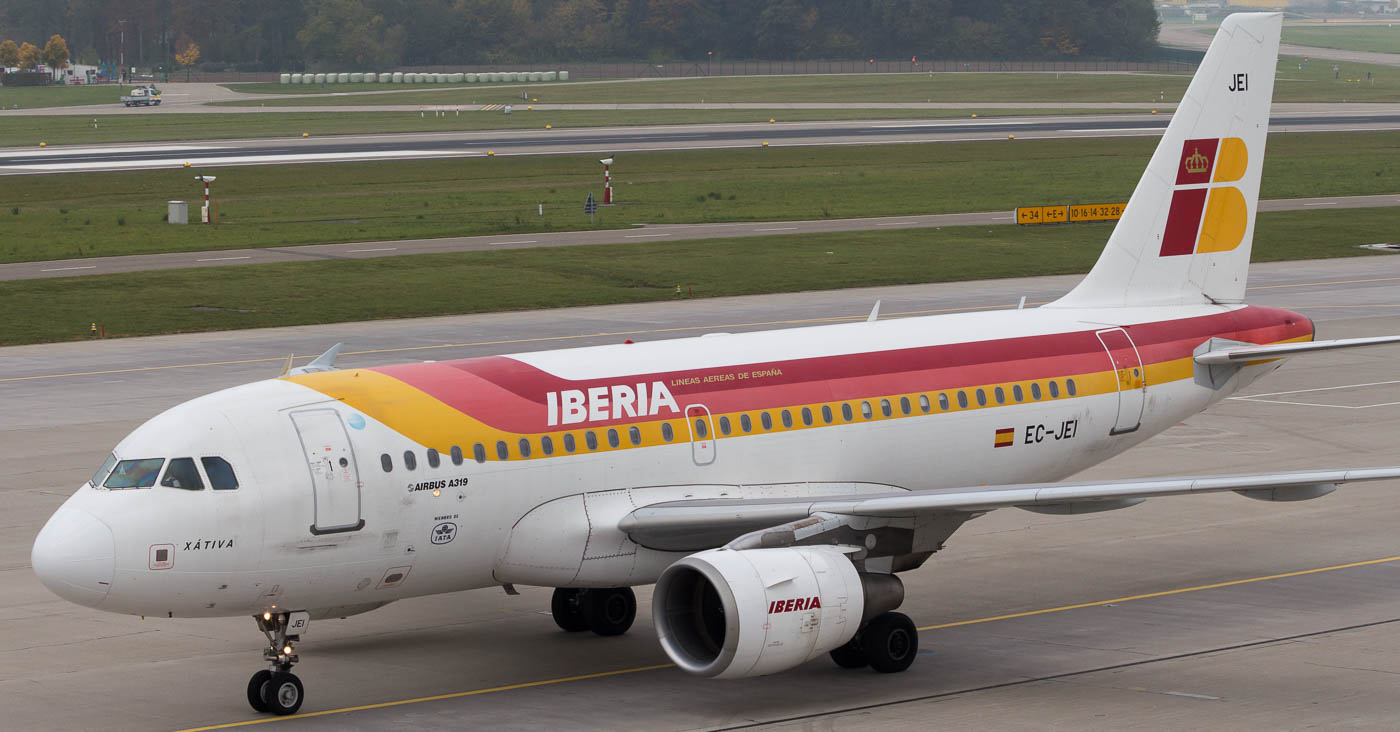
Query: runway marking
(221, 259)
(643, 236)
(792, 228)
(1163, 593)
(1319, 204)
(900, 223)
(1333, 282)
(64, 269)
(439, 697)
(660, 666)
(1262, 398)
(379, 249)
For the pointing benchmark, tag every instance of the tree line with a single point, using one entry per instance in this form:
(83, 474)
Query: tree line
(290, 35)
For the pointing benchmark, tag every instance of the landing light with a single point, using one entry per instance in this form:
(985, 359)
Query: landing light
(267, 616)
(286, 650)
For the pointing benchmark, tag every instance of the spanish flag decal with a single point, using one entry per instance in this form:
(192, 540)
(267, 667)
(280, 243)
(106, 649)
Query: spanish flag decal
(1005, 437)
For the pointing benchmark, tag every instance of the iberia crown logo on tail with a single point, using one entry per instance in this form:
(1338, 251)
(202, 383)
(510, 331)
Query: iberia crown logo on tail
(1205, 216)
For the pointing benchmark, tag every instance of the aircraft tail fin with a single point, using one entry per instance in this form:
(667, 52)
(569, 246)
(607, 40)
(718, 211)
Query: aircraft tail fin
(1186, 234)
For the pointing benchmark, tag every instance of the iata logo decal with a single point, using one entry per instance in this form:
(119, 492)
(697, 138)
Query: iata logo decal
(444, 533)
(1204, 216)
(599, 403)
(794, 604)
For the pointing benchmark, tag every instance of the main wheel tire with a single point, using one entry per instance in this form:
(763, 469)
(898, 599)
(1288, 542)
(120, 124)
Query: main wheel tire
(567, 608)
(891, 642)
(851, 655)
(610, 611)
(255, 690)
(283, 693)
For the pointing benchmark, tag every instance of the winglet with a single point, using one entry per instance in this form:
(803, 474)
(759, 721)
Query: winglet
(874, 313)
(323, 362)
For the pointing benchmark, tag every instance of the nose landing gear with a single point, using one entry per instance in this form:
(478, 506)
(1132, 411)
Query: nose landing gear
(276, 689)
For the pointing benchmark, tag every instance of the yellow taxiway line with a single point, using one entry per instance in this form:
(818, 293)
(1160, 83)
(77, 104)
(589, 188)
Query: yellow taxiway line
(657, 667)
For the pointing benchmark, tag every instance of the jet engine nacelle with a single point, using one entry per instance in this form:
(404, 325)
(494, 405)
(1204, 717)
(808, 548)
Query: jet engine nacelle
(732, 614)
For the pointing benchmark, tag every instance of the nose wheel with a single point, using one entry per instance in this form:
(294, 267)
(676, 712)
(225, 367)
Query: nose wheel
(276, 689)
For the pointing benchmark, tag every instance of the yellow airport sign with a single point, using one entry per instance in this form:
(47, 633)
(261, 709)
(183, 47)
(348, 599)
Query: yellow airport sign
(1097, 212)
(1030, 215)
(1056, 214)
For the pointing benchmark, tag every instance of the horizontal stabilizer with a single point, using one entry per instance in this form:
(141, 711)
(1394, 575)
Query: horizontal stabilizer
(1245, 354)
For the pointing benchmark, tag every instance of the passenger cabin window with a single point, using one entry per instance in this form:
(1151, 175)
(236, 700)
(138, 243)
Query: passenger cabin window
(434, 459)
(134, 474)
(724, 425)
(767, 420)
(807, 416)
(667, 433)
(410, 461)
(1000, 395)
(885, 407)
(1017, 394)
(847, 413)
(1054, 390)
(569, 444)
(787, 418)
(612, 438)
(524, 447)
(701, 430)
(221, 477)
(386, 462)
(456, 455)
(924, 405)
(827, 416)
(981, 398)
(962, 399)
(866, 411)
(182, 474)
(634, 435)
(103, 471)
(502, 450)
(1035, 390)
(745, 423)
(943, 401)
(904, 405)
(547, 445)
(590, 439)
(1069, 386)
(479, 452)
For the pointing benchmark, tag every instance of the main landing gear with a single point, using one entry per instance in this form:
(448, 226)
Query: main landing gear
(888, 644)
(605, 611)
(276, 689)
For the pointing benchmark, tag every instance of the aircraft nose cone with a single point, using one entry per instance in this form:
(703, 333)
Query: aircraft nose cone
(75, 556)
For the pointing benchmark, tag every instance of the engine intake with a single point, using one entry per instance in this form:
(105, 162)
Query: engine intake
(734, 614)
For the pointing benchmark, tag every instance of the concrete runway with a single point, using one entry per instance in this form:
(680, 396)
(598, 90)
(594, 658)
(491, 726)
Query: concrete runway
(640, 233)
(611, 140)
(1320, 649)
(1198, 37)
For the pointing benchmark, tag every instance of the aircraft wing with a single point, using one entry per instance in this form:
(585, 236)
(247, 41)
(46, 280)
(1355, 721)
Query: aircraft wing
(684, 524)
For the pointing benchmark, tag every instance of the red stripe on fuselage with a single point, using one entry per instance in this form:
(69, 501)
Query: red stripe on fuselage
(510, 395)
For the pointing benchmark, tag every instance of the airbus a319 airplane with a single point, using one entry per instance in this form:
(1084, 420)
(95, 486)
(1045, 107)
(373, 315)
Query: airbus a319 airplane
(772, 485)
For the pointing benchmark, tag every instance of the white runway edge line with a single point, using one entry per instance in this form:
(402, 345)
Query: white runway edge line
(778, 228)
(243, 159)
(378, 249)
(222, 259)
(64, 269)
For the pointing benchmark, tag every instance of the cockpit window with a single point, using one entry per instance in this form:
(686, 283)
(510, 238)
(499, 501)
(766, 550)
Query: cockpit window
(182, 474)
(103, 471)
(134, 474)
(221, 477)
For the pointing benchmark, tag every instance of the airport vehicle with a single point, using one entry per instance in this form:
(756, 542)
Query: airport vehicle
(772, 485)
(142, 96)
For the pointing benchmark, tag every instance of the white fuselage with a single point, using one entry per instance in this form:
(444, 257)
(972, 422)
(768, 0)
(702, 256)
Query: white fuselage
(305, 531)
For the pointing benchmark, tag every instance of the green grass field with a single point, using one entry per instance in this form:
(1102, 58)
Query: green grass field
(30, 97)
(134, 126)
(1371, 37)
(256, 296)
(103, 214)
(1294, 84)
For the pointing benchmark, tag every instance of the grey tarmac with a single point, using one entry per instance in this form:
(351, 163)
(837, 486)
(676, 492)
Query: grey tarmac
(639, 233)
(604, 141)
(1315, 649)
